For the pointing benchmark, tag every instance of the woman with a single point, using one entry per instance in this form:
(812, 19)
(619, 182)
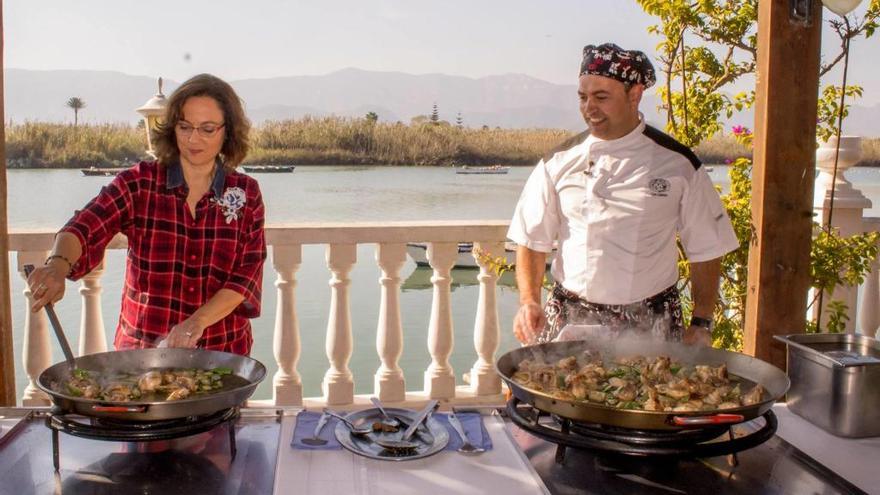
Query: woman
(194, 226)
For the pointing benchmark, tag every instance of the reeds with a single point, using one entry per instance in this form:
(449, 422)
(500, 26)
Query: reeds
(330, 140)
(335, 140)
(46, 145)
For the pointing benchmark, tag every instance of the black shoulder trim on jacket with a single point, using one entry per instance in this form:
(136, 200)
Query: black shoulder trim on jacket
(567, 144)
(668, 142)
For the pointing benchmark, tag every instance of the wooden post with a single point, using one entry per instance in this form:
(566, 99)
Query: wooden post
(7, 363)
(782, 177)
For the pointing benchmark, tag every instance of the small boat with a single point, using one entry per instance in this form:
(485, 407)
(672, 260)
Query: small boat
(420, 279)
(494, 169)
(101, 171)
(418, 251)
(274, 169)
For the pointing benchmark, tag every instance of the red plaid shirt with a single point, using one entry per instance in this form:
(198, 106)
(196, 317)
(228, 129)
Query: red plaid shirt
(177, 263)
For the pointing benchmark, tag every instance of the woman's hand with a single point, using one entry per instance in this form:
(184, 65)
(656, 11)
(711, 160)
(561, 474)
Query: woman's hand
(528, 322)
(185, 334)
(46, 283)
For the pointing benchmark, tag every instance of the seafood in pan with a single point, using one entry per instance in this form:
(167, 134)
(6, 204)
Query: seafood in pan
(639, 382)
(153, 385)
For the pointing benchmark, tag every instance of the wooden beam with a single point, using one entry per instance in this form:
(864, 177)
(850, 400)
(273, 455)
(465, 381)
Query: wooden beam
(7, 356)
(782, 177)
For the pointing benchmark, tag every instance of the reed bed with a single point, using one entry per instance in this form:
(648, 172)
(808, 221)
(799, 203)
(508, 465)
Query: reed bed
(331, 141)
(47, 145)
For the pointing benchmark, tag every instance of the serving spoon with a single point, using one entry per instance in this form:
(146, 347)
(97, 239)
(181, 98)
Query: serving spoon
(404, 444)
(387, 419)
(355, 430)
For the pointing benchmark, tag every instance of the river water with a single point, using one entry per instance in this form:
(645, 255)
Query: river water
(45, 199)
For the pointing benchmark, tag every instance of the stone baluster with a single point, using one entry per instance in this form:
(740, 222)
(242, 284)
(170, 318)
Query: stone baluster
(37, 349)
(92, 338)
(487, 333)
(869, 306)
(439, 378)
(338, 385)
(287, 384)
(389, 384)
(849, 206)
(869, 312)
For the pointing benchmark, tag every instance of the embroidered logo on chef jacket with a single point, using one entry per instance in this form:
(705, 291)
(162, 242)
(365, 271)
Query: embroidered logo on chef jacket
(659, 187)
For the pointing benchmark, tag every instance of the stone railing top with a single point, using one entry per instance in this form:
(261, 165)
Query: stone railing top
(326, 233)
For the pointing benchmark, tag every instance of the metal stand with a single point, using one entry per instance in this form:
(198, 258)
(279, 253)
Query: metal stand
(139, 432)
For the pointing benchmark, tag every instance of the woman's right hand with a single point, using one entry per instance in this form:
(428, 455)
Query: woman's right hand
(47, 283)
(528, 322)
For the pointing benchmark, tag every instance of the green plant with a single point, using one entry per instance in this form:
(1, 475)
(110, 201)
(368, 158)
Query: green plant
(723, 50)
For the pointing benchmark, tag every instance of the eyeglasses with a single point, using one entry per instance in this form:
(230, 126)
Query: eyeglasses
(186, 129)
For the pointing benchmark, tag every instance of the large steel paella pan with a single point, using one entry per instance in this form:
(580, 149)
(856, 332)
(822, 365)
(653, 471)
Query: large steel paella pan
(245, 374)
(745, 368)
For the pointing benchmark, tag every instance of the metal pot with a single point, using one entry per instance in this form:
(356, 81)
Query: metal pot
(774, 381)
(143, 360)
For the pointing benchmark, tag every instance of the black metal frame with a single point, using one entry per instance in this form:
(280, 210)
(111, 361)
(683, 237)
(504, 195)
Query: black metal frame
(687, 443)
(133, 431)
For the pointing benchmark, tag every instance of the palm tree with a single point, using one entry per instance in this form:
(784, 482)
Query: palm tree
(77, 104)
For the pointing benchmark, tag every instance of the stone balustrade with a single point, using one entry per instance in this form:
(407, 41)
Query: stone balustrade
(285, 257)
(341, 240)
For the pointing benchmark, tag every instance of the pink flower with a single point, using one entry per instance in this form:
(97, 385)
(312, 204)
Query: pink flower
(739, 130)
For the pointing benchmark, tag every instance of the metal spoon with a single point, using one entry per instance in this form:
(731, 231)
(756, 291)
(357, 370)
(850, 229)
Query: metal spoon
(355, 430)
(466, 446)
(315, 439)
(403, 444)
(387, 419)
(56, 326)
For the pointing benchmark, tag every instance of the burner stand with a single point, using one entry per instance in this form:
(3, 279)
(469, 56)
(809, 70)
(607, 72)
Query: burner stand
(703, 442)
(114, 430)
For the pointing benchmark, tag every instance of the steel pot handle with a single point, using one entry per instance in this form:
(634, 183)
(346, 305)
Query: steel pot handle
(119, 409)
(715, 419)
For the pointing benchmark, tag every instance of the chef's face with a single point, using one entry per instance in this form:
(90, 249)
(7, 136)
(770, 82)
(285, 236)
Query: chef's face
(610, 109)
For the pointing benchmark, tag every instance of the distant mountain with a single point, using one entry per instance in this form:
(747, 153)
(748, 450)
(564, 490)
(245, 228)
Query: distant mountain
(507, 100)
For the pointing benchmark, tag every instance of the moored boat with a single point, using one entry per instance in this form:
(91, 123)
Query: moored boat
(276, 169)
(101, 171)
(418, 251)
(494, 169)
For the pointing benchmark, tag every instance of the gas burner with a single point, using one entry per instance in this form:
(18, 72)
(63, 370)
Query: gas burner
(120, 430)
(701, 442)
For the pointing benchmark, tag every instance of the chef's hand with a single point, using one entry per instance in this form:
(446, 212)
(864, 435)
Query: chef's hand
(528, 322)
(46, 283)
(185, 334)
(697, 335)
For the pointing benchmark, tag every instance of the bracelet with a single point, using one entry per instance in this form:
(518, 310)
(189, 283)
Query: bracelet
(62, 258)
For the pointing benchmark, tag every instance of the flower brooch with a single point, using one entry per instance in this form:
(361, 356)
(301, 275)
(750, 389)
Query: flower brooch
(232, 201)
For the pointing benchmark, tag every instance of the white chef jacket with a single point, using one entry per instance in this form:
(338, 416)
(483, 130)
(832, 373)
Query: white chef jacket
(615, 208)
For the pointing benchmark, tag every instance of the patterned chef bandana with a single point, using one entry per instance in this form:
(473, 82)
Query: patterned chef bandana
(610, 60)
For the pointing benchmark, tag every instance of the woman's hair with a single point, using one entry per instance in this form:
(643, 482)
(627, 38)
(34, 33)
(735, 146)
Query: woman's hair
(236, 125)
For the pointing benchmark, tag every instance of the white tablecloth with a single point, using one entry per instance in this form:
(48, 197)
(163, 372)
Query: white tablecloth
(502, 470)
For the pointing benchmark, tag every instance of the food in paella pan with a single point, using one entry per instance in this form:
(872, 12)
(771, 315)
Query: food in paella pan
(642, 383)
(154, 385)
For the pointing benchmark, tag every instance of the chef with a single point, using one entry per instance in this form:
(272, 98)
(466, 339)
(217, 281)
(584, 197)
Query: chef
(616, 200)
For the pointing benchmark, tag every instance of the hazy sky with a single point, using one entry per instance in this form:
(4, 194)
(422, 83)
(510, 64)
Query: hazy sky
(238, 39)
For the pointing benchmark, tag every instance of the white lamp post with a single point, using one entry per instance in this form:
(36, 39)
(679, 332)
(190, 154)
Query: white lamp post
(152, 111)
